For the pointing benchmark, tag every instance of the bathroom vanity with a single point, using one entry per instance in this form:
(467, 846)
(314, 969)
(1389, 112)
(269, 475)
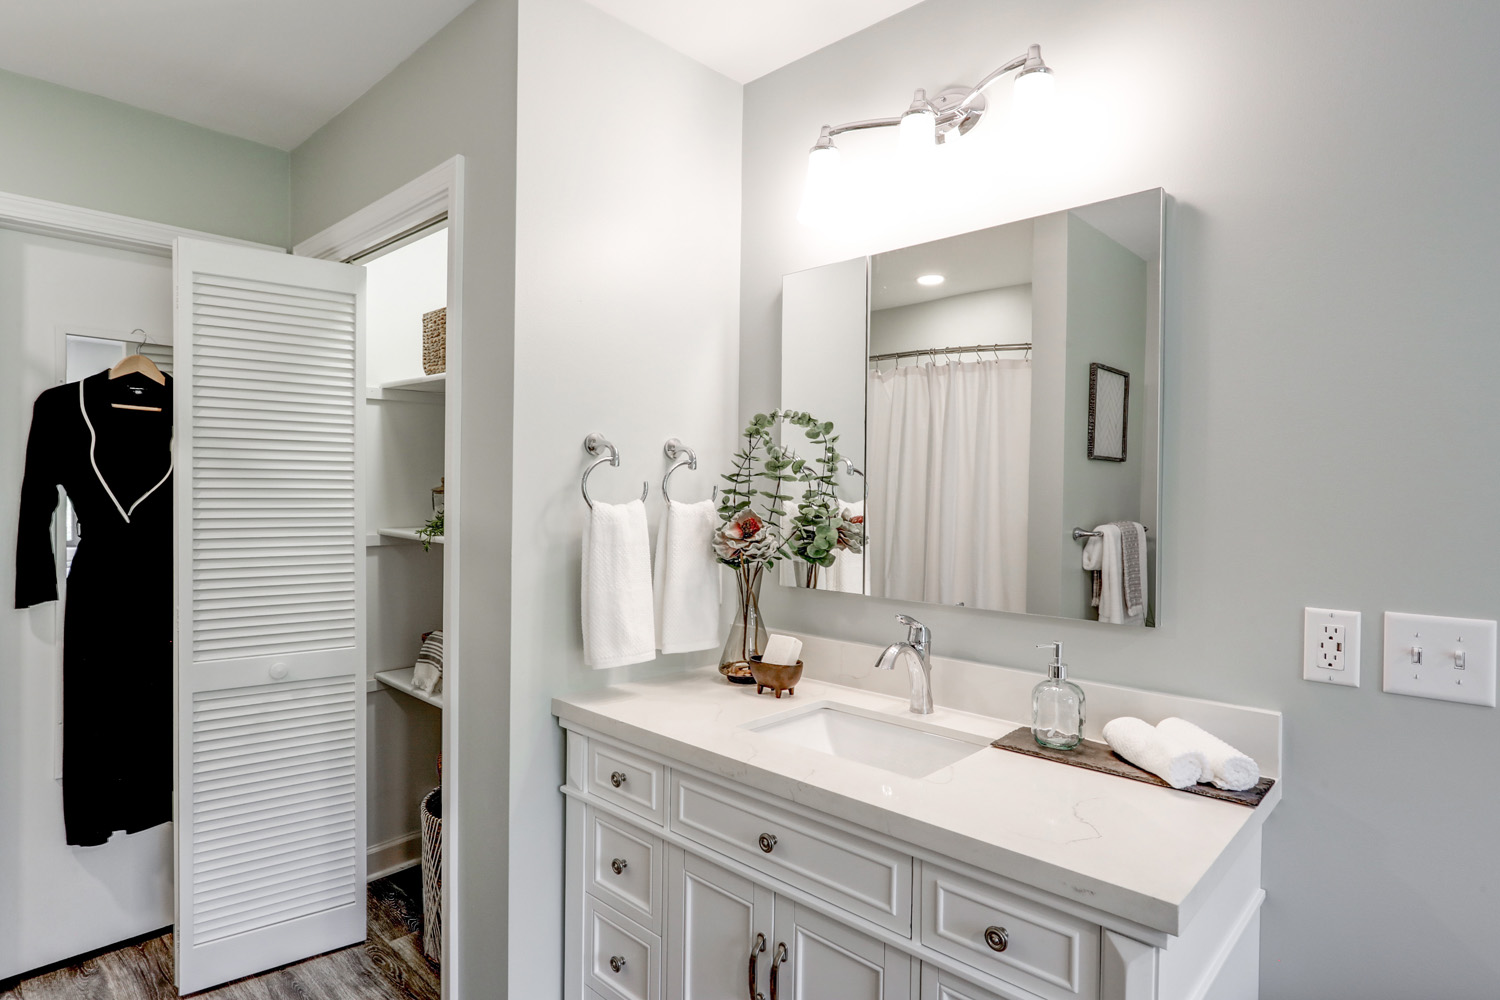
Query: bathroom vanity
(724, 845)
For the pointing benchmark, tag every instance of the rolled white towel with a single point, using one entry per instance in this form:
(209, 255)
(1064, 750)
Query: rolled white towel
(1141, 744)
(1228, 768)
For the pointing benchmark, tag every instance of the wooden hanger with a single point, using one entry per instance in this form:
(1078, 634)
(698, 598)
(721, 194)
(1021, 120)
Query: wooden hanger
(137, 364)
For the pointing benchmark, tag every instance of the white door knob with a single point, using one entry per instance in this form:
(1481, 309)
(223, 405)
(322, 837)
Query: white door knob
(278, 671)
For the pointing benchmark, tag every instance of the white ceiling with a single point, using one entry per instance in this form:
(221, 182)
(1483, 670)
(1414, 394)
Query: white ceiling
(750, 38)
(971, 262)
(269, 70)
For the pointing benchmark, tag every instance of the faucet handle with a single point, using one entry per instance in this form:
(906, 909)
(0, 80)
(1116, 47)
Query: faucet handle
(916, 631)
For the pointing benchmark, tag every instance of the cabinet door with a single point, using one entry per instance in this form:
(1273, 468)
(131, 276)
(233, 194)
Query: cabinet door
(270, 666)
(817, 958)
(718, 932)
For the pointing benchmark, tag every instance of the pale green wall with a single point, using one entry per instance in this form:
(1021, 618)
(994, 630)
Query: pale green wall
(457, 95)
(67, 146)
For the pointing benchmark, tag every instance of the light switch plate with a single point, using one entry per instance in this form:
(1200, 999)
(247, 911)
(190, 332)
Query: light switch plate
(1442, 673)
(1330, 646)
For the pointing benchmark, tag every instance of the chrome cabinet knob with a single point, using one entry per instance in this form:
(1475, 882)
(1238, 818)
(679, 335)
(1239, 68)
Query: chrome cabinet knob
(767, 842)
(616, 963)
(996, 938)
(617, 778)
(618, 866)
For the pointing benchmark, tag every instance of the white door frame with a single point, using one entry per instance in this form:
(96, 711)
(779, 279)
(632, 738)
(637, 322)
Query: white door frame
(85, 225)
(435, 194)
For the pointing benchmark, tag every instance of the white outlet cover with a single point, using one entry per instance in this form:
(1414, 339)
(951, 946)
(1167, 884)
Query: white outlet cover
(1438, 675)
(1314, 659)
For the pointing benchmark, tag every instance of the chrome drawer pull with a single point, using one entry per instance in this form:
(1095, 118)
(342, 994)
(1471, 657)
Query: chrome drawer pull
(996, 938)
(617, 778)
(767, 842)
(618, 866)
(616, 963)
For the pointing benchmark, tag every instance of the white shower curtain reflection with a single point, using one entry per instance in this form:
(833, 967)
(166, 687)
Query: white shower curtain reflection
(949, 449)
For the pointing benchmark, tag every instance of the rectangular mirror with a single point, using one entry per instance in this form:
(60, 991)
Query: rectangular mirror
(998, 396)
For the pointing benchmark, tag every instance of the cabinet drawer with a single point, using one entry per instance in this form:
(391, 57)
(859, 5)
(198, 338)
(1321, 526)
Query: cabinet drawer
(622, 960)
(628, 781)
(625, 865)
(1013, 939)
(864, 878)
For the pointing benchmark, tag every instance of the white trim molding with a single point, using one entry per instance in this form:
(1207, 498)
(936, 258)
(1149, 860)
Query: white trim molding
(414, 204)
(87, 225)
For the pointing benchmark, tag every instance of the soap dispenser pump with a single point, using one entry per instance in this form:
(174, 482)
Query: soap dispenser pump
(1057, 711)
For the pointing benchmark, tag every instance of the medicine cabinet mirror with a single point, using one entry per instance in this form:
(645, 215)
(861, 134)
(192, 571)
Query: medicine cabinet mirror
(964, 378)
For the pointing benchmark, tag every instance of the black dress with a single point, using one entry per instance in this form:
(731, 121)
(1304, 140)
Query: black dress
(116, 466)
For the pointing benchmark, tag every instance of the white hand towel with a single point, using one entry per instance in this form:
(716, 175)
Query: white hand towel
(618, 625)
(1104, 555)
(1228, 768)
(688, 581)
(1140, 743)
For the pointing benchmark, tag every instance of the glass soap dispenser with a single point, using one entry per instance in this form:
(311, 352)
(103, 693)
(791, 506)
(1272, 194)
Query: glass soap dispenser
(1057, 711)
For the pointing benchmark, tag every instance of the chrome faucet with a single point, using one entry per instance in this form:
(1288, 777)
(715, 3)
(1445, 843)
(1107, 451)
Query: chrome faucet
(919, 644)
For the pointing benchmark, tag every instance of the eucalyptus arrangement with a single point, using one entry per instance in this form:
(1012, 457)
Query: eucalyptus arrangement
(432, 529)
(758, 525)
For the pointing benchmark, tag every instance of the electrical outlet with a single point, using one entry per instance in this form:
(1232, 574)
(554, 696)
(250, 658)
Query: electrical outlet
(1450, 659)
(1330, 646)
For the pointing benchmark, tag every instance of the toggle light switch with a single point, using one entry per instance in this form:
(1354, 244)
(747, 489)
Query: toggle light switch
(1459, 660)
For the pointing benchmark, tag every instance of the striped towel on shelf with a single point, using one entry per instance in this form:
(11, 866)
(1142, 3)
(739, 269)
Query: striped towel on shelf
(428, 675)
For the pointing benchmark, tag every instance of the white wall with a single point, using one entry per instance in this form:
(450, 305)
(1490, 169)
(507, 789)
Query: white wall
(991, 316)
(59, 901)
(627, 280)
(403, 285)
(1330, 311)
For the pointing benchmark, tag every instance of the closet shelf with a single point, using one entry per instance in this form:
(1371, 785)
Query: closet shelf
(423, 388)
(401, 680)
(384, 536)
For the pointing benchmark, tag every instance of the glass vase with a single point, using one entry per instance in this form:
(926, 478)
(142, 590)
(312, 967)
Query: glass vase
(747, 632)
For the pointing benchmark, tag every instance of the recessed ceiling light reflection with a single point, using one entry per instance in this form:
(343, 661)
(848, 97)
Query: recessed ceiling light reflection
(930, 280)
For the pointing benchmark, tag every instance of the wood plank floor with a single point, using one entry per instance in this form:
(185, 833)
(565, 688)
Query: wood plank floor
(389, 964)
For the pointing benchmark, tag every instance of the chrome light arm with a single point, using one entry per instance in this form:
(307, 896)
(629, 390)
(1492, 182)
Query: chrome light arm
(951, 107)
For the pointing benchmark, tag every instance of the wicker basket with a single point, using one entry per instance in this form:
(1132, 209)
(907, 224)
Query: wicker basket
(432, 875)
(435, 341)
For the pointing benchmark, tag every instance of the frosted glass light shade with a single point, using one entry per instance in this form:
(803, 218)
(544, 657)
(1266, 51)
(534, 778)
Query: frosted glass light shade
(821, 185)
(918, 131)
(1034, 93)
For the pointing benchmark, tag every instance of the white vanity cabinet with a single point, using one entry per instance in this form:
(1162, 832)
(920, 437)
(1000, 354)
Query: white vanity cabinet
(683, 885)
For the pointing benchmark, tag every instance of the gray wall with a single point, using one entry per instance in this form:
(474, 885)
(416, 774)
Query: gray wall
(456, 94)
(1331, 302)
(67, 146)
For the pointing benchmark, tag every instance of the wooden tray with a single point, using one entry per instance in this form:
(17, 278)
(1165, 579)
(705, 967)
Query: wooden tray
(1099, 757)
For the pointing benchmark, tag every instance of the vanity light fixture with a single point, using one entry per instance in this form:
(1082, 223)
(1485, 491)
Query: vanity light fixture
(930, 280)
(924, 125)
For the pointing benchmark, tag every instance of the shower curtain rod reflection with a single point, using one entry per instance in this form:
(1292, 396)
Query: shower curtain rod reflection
(935, 351)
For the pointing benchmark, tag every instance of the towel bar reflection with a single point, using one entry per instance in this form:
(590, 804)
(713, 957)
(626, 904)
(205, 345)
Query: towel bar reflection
(1080, 534)
(674, 450)
(595, 444)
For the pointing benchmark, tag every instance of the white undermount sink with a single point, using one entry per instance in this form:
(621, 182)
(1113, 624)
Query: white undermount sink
(909, 748)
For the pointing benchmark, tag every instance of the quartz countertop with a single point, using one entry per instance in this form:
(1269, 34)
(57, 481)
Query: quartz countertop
(1139, 852)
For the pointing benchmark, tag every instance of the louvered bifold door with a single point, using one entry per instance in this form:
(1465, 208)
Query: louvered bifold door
(270, 611)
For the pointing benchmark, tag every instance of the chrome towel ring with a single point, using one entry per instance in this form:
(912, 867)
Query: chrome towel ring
(595, 444)
(674, 450)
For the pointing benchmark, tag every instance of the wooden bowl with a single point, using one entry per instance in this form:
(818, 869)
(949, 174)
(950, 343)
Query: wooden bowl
(775, 676)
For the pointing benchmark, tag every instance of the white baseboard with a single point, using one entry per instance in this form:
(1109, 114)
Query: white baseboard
(391, 856)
